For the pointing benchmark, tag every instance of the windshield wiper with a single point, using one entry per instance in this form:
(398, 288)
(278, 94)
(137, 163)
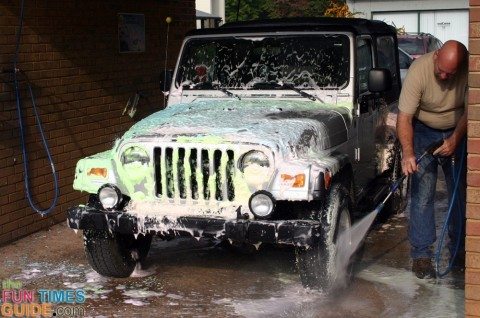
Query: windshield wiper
(209, 85)
(274, 85)
(301, 92)
(226, 91)
(266, 85)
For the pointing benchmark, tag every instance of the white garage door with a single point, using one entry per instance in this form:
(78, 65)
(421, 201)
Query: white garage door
(445, 25)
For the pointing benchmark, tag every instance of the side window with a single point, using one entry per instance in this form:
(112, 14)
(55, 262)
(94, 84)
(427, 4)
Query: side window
(386, 59)
(404, 61)
(386, 55)
(432, 45)
(364, 63)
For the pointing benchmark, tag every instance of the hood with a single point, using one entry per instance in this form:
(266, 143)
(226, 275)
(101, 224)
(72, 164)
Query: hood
(278, 124)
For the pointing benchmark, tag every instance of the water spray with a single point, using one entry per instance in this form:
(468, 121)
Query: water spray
(355, 235)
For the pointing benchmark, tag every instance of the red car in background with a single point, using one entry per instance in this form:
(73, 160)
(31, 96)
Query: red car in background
(417, 44)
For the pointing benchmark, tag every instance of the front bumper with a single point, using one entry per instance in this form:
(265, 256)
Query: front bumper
(290, 232)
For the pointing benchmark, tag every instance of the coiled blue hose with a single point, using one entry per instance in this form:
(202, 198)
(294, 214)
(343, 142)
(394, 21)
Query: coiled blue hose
(453, 200)
(39, 125)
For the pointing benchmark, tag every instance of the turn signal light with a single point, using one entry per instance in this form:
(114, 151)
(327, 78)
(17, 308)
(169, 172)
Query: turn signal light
(298, 180)
(99, 172)
(327, 179)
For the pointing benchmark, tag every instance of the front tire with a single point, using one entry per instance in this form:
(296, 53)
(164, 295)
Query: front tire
(398, 200)
(115, 254)
(326, 265)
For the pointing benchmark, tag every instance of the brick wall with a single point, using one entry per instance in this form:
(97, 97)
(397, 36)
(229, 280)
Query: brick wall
(472, 275)
(69, 51)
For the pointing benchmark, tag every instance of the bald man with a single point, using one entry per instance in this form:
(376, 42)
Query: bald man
(432, 108)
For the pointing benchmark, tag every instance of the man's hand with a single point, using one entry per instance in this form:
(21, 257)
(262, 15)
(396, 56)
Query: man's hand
(447, 148)
(409, 164)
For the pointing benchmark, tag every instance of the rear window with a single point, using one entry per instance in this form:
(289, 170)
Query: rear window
(413, 46)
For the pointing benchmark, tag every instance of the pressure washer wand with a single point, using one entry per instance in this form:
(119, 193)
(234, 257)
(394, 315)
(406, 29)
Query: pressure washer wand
(429, 151)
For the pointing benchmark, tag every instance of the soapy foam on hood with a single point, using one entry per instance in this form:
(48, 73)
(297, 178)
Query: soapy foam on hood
(278, 124)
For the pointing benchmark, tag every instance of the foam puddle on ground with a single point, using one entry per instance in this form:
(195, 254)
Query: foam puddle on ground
(402, 295)
(431, 298)
(95, 285)
(294, 299)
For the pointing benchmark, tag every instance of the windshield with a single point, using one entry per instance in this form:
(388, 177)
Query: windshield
(304, 61)
(413, 46)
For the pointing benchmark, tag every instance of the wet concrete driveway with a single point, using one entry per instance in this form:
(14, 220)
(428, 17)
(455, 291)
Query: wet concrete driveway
(190, 278)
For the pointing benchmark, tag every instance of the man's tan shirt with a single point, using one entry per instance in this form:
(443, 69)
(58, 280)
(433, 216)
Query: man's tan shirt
(438, 104)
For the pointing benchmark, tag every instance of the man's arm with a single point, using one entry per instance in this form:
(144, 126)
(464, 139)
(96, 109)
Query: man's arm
(410, 97)
(405, 135)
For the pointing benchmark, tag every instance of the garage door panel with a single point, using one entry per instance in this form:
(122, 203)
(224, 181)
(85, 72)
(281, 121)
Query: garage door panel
(427, 22)
(452, 25)
(445, 25)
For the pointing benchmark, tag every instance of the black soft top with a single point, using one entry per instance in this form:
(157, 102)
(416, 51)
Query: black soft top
(354, 25)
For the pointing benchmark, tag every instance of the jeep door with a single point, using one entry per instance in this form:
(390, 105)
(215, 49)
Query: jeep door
(366, 115)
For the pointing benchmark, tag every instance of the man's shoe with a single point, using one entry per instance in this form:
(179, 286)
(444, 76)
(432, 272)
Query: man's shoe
(423, 268)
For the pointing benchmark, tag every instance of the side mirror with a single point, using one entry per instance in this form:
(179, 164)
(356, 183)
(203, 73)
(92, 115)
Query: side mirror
(379, 80)
(166, 78)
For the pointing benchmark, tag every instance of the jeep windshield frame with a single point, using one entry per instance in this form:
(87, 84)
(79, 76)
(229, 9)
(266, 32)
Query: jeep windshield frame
(307, 61)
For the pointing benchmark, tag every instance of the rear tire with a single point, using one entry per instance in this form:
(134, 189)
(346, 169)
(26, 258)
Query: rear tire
(320, 266)
(115, 254)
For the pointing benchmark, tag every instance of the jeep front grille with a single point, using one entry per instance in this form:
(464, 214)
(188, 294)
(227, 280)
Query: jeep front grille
(194, 173)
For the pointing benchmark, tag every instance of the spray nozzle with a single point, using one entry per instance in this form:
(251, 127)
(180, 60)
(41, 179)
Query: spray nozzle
(434, 146)
(430, 149)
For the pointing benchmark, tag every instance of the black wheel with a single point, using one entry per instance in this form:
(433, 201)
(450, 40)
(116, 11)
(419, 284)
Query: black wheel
(327, 264)
(398, 200)
(115, 254)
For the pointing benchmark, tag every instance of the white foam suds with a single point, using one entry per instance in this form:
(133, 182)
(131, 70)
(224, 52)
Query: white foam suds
(173, 296)
(74, 285)
(94, 277)
(141, 293)
(141, 272)
(135, 302)
(27, 274)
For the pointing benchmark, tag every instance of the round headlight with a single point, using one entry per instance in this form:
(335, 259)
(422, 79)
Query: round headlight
(262, 204)
(135, 155)
(109, 196)
(254, 157)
